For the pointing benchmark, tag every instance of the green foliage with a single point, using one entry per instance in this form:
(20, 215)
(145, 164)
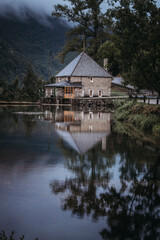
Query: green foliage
(140, 115)
(111, 51)
(156, 130)
(123, 109)
(122, 115)
(89, 28)
(23, 42)
(135, 42)
(144, 122)
(30, 89)
(118, 103)
(126, 106)
(31, 85)
(145, 109)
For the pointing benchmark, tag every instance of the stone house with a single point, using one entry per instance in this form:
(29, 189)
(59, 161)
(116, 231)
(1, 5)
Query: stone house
(82, 77)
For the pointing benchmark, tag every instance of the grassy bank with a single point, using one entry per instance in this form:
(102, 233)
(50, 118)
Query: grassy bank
(141, 116)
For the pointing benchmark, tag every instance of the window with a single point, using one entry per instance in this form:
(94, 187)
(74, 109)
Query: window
(69, 90)
(91, 93)
(99, 115)
(90, 115)
(100, 93)
(91, 79)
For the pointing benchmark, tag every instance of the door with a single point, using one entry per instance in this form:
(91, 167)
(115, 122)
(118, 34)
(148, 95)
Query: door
(69, 92)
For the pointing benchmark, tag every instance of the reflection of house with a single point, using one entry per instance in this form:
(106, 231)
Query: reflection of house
(82, 131)
(83, 77)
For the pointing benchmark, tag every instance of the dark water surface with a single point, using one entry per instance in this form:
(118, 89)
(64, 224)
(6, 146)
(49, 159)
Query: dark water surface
(66, 175)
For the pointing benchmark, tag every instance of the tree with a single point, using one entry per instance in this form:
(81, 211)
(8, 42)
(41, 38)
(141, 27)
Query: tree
(89, 25)
(14, 90)
(2, 88)
(10, 91)
(137, 32)
(109, 50)
(31, 85)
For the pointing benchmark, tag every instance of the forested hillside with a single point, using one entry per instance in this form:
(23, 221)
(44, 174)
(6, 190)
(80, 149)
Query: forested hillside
(30, 42)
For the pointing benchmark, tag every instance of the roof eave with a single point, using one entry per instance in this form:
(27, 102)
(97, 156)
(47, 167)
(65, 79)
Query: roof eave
(110, 76)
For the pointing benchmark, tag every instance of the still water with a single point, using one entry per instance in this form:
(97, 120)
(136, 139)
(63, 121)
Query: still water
(66, 174)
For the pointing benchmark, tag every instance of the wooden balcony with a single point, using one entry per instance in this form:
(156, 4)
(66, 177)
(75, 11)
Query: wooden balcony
(69, 95)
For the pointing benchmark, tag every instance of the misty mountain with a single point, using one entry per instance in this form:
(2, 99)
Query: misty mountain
(32, 40)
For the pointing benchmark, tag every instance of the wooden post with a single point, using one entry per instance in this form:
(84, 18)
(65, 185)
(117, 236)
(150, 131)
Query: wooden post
(144, 98)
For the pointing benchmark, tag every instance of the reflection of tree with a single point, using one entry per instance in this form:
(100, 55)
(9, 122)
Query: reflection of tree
(132, 209)
(91, 172)
(10, 120)
(29, 123)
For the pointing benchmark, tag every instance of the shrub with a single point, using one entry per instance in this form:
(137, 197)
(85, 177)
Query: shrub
(156, 130)
(122, 116)
(149, 121)
(143, 121)
(136, 119)
(127, 106)
(119, 103)
(137, 108)
(145, 109)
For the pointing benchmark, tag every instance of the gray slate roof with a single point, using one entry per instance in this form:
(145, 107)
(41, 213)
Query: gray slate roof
(119, 81)
(64, 84)
(83, 66)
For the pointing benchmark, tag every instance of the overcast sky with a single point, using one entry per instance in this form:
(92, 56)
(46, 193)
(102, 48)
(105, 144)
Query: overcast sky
(37, 6)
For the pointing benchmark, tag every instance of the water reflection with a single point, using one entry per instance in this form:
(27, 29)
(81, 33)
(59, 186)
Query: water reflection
(54, 157)
(83, 130)
(120, 184)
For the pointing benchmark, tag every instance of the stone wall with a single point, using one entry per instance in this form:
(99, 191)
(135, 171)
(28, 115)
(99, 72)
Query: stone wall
(61, 79)
(77, 92)
(92, 87)
(93, 84)
(59, 92)
(49, 91)
(96, 85)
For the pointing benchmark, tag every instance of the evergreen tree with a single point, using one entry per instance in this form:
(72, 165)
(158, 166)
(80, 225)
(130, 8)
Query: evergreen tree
(89, 25)
(31, 85)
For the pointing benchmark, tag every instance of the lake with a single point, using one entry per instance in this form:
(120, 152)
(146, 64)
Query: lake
(67, 174)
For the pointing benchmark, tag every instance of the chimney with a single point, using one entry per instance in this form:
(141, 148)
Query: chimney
(105, 64)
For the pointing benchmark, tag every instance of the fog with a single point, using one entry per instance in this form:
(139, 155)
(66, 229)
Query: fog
(26, 9)
(43, 8)
(18, 6)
